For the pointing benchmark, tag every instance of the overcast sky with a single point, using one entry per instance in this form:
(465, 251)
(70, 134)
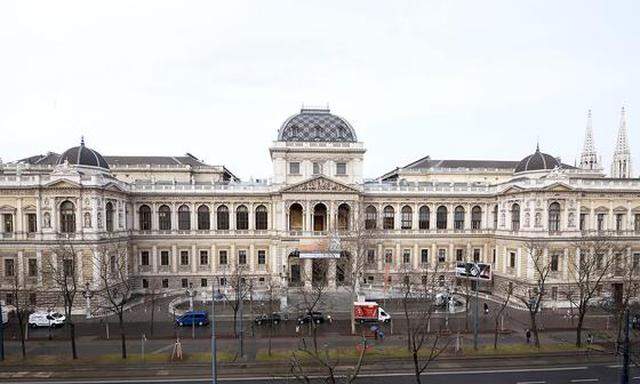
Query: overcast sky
(451, 79)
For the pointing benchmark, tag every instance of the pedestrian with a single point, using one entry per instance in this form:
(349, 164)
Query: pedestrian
(486, 309)
(528, 335)
(297, 329)
(381, 335)
(589, 338)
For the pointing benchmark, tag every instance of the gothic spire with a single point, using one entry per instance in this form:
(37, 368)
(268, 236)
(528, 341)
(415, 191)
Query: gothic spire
(621, 165)
(589, 156)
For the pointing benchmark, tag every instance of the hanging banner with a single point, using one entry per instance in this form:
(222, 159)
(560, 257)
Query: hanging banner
(474, 271)
(324, 248)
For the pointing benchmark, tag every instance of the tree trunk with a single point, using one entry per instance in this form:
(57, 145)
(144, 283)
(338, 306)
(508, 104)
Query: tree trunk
(123, 340)
(534, 329)
(416, 367)
(22, 336)
(153, 312)
(495, 334)
(579, 329)
(72, 337)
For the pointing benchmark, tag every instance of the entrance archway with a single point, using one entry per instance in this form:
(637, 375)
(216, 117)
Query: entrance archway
(319, 217)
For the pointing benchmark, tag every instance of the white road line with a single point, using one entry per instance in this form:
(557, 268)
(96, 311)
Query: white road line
(636, 378)
(531, 382)
(615, 366)
(584, 380)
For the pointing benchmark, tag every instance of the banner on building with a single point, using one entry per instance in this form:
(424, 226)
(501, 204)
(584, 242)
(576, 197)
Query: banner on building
(475, 271)
(325, 248)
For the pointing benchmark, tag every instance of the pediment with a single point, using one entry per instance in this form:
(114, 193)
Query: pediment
(320, 184)
(512, 189)
(63, 184)
(558, 187)
(113, 187)
(7, 209)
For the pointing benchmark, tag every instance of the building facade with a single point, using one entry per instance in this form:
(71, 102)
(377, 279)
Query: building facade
(188, 223)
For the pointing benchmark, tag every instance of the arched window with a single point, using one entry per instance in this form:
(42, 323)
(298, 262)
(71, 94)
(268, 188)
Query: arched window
(261, 218)
(423, 217)
(67, 217)
(223, 217)
(164, 218)
(242, 217)
(407, 217)
(184, 218)
(441, 217)
(495, 216)
(295, 217)
(370, 217)
(109, 216)
(515, 217)
(458, 218)
(343, 217)
(319, 217)
(144, 216)
(554, 217)
(476, 217)
(204, 218)
(388, 217)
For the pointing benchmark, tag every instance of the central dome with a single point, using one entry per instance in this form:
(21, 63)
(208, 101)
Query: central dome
(537, 161)
(83, 156)
(316, 124)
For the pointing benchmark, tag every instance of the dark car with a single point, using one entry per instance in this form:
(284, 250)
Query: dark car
(635, 321)
(316, 317)
(190, 318)
(273, 318)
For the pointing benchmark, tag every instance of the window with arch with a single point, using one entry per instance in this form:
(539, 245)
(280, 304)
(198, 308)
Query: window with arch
(242, 217)
(261, 218)
(144, 216)
(108, 210)
(515, 217)
(554, 217)
(222, 215)
(388, 217)
(295, 217)
(164, 218)
(407, 217)
(344, 212)
(319, 217)
(370, 217)
(423, 217)
(476, 217)
(204, 218)
(67, 217)
(441, 217)
(458, 218)
(184, 218)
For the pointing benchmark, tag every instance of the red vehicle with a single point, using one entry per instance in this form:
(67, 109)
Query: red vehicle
(369, 311)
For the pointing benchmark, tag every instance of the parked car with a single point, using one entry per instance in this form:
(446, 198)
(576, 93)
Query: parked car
(635, 321)
(199, 318)
(316, 317)
(46, 319)
(273, 318)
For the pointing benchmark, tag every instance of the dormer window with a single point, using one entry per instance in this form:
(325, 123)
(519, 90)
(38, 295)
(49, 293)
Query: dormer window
(294, 168)
(317, 168)
(341, 169)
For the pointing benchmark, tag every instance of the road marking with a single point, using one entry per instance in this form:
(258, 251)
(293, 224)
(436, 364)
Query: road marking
(584, 380)
(636, 378)
(615, 366)
(531, 382)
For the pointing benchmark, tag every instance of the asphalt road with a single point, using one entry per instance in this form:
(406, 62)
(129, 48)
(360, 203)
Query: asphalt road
(604, 374)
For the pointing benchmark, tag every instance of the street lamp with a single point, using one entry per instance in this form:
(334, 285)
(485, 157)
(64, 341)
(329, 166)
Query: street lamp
(214, 358)
(87, 294)
(190, 292)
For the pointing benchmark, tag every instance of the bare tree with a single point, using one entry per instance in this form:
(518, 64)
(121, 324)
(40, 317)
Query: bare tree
(240, 291)
(506, 291)
(152, 298)
(593, 261)
(423, 345)
(532, 298)
(114, 286)
(22, 301)
(61, 269)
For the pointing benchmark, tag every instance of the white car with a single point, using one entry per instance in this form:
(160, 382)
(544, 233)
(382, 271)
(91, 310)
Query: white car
(46, 319)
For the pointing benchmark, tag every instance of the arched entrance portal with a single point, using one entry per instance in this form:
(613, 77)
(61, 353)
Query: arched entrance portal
(320, 217)
(295, 277)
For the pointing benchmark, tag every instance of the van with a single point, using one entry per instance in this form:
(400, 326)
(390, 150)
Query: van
(46, 319)
(200, 318)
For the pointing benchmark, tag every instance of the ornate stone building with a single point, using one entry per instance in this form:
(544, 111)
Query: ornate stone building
(190, 223)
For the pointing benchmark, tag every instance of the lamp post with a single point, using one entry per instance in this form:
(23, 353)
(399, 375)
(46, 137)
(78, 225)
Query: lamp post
(214, 358)
(190, 292)
(87, 294)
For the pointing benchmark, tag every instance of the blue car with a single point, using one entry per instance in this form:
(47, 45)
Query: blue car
(199, 318)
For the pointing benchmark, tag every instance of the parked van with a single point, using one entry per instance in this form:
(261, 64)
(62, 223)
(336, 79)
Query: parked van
(190, 318)
(46, 319)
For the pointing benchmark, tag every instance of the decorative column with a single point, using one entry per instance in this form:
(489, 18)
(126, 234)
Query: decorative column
(39, 266)
(174, 216)
(20, 268)
(194, 217)
(565, 263)
(518, 262)
(252, 216)
(213, 260)
(252, 258)
(174, 259)
(136, 259)
(331, 274)
(415, 219)
(467, 217)
(154, 217)
(415, 258)
(154, 259)
(195, 259)
(308, 272)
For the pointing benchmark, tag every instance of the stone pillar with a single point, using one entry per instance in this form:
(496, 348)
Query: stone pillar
(154, 217)
(467, 217)
(415, 258)
(232, 216)
(136, 220)
(252, 258)
(20, 268)
(195, 259)
(380, 257)
(433, 217)
(174, 216)
(194, 217)
(519, 262)
(565, 263)
(415, 218)
(213, 259)
(434, 255)
(154, 259)
(252, 216)
(331, 274)
(308, 272)
(232, 257)
(136, 259)
(174, 259)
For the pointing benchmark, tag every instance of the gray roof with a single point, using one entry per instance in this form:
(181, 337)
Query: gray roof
(316, 124)
(52, 158)
(427, 162)
(84, 156)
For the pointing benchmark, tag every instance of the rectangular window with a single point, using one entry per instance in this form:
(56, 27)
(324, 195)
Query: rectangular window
(476, 255)
(459, 254)
(388, 256)
(341, 169)
(242, 257)
(223, 281)
(33, 268)
(406, 256)
(164, 257)
(144, 258)
(165, 283)
(636, 222)
(600, 221)
(583, 221)
(317, 168)
(204, 282)
(204, 257)
(7, 218)
(184, 257)
(442, 255)
(495, 252)
(33, 299)
(67, 267)
(145, 283)
(222, 258)
(294, 168)
(32, 223)
(512, 259)
(371, 256)
(554, 293)
(619, 221)
(636, 261)
(9, 267)
(185, 283)
(424, 256)
(554, 262)
(262, 257)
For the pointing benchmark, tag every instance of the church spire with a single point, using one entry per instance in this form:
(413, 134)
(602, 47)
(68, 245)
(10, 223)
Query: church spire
(589, 156)
(621, 165)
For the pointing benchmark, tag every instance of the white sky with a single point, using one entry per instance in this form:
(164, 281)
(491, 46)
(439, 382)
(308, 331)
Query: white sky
(451, 79)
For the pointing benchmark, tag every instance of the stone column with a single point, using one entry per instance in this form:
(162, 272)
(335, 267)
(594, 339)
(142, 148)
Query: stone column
(232, 216)
(308, 272)
(213, 259)
(467, 217)
(380, 258)
(519, 262)
(19, 228)
(565, 263)
(433, 217)
(154, 217)
(195, 259)
(194, 217)
(174, 216)
(154, 259)
(136, 220)
(252, 258)
(174, 259)
(415, 258)
(331, 274)
(39, 265)
(20, 268)
(415, 217)
(252, 216)
(136, 259)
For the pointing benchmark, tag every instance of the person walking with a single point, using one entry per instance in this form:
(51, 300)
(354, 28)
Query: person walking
(528, 335)
(589, 338)
(486, 309)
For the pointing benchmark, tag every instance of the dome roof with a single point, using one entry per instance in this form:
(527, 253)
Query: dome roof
(316, 124)
(84, 156)
(537, 161)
